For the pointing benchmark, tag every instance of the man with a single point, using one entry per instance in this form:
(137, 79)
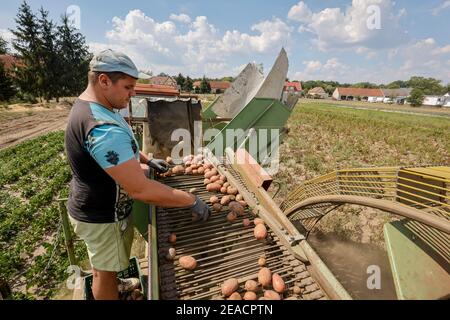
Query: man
(107, 174)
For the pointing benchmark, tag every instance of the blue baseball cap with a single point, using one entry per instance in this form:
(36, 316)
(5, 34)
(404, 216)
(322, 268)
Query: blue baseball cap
(114, 61)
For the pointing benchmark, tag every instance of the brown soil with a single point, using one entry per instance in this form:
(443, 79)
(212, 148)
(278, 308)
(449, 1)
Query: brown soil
(22, 122)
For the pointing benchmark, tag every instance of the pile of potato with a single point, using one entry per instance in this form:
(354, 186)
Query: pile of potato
(268, 287)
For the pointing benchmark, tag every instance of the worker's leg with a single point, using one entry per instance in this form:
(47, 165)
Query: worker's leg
(104, 285)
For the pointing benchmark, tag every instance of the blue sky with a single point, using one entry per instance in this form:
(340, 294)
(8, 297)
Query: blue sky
(347, 41)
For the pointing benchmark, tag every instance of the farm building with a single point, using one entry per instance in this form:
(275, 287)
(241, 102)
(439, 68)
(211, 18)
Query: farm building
(435, 101)
(294, 87)
(163, 81)
(398, 96)
(216, 86)
(447, 100)
(371, 95)
(10, 63)
(317, 93)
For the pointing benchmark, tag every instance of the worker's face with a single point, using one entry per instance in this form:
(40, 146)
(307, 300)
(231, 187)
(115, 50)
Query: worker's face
(120, 92)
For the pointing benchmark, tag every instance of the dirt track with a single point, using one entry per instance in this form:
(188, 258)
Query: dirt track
(18, 126)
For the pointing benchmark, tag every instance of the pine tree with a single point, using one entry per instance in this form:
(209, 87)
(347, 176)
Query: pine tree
(3, 46)
(7, 90)
(204, 86)
(27, 43)
(180, 80)
(75, 58)
(188, 84)
(50, 61)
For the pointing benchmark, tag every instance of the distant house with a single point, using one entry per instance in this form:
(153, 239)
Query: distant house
(398, 96)
(216, 86)
(446, 100)
(10, 63)
(371, 95)
(163, 81)
(293, 87)
(317, 93)
(435, 101)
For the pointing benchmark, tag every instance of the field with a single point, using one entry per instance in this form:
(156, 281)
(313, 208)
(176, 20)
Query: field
(322, 137)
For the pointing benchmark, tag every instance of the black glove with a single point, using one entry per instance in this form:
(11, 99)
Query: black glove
(200, 210)
(159, 165)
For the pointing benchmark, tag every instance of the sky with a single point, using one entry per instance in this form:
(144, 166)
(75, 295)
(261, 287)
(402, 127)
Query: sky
(379, 41)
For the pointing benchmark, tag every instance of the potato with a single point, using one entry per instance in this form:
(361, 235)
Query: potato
(296, 289)
(239, 197)
(260, 232)
(271, 295)
(219, 182)
(214, 178)
(262, 261)
(207, 170)
(188, 158)
(211, 173)
(188, 163)
(193, 190)
(226, 184)
(217, 207)
(232, 190)
(195, 172)
(214, 199)
(223, 190)
(188, 262)
(262, 298)
(213, 187)
(251, 285)
(258, 221)
(188, 170)
(246, 222)
(242, 203)
(235, 296)
(178, 169)
(223, 178)
(249, 295)
(225, 200)
(169, 160)
(194, 166)
(208, 165)
(265, 277)
(201, 170)
(231, 217)
(236, 208)
(206, 181)
(278, 283)
(232, 197)
(172, 238)
(230, 286)
(171, 253)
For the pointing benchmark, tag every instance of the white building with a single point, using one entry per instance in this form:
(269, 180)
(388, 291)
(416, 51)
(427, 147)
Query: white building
(435, 101)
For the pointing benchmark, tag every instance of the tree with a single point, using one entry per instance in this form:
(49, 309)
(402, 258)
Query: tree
(204, 86)
(75, 59)
(50, 60)
(3, 46)
(27, 43)
(188, 84)
(416, 97)
(7, 90)
(180, 80)
(429, 86)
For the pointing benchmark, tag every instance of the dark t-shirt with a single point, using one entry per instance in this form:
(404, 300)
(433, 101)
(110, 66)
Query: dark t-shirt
(97, 138)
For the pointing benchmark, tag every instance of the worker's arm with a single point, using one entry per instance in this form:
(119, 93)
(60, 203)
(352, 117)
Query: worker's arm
(130, 177)
(143, 158)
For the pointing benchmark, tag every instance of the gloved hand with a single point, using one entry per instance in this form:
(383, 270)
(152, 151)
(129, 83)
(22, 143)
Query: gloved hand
(159, 165)
(200, 210)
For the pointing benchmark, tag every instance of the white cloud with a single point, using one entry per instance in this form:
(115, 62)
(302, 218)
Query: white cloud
(300, 12)
(199, 50)
(355, 27)
(331, 69)
(444, 5)
(183, 18)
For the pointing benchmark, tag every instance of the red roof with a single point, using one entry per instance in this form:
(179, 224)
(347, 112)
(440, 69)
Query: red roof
(9, 61)
(155, 90)
(362, 92)
(297, 86)
(222, 85)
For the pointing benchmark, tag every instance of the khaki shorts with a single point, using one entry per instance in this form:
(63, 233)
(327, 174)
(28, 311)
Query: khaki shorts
(108, 244)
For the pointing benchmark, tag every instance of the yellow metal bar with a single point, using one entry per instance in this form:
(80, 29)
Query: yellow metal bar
(422, 190)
